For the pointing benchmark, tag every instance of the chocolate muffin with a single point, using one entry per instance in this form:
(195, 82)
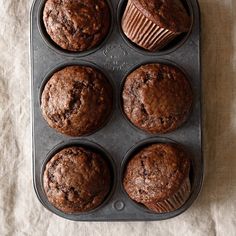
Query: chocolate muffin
(158, 177)
(77, 100)
(157, 98)
(152, 24)
(77, 25)
(76, 180)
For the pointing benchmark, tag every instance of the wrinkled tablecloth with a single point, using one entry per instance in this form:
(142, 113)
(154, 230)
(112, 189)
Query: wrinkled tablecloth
(214, 213)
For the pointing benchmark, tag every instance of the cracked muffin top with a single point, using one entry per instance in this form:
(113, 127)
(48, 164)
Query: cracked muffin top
(157, 98)
(168, 14)
(76, 180)
(156, 172)
(77, 100)
(77, 25)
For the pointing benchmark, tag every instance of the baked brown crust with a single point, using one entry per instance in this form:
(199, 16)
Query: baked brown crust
(76, 25)
(77, 100)
(156, 172)
(168, 14)
(76, 180)
(157, 98)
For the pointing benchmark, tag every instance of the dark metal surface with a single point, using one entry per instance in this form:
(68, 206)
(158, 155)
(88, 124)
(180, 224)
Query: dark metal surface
(116, 56)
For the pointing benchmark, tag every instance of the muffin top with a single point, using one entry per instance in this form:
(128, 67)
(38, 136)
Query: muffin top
(76, 180)
(157, 98)
(77, 100)
(156, 172)
(168, 14)
(76, 25)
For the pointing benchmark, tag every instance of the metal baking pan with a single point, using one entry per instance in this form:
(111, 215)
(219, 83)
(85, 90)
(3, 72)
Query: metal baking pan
(116, 57)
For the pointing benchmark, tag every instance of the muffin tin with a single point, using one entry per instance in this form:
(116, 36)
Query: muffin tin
(117, 139)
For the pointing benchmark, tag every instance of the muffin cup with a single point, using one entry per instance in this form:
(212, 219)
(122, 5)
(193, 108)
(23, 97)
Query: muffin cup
(84, 143)
(135, 67)
(144, 32)
(68, 63)
(174, 202)
(56, 48)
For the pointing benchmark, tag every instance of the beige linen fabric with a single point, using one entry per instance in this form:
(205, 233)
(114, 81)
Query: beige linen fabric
(214, 213)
